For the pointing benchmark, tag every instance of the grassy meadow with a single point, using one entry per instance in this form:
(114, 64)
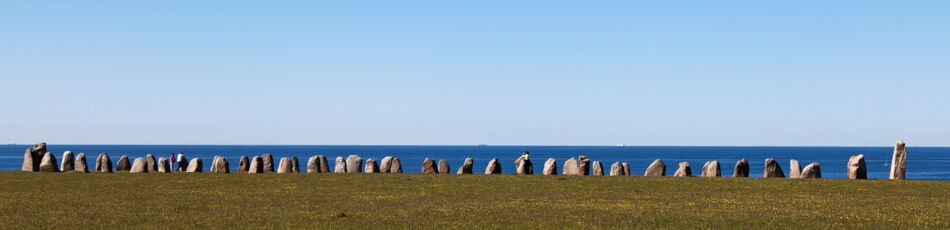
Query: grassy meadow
(414, 201)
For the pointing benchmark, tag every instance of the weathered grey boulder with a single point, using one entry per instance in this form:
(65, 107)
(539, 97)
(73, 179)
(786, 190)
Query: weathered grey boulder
(626, 168)
(524, 167)
(467, 166)
(395, 166)
(268, 162)
(80, 165)
(550, 167)
(286, 165)
(195, 165)
(812, 170)
(295, 164)
(598, 169)
(140, 165)
(794, 169)
(164, 166)
(340, 165)
(150, 163)
(583, 164)
(494, 167)
(256, 166)
(28, 160)
(857, 169)
(67, 162)
(313, 165)
(571, 168)
(103, 163)
(657, 168)
(220, 165)
(371, 166)
(616, 169)
(684, 170)
(385, 164)
(244, 164)
(444, 167)
(711, 169)
(324, 165)
(772, 169)
(123, 164)
(48, 164)
(354, 164)
(429, 167)
(899, 161)
(742, 168)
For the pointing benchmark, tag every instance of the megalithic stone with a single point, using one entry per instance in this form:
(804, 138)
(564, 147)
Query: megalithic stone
(81, 165)
(616, 169)
(164, 166)
(28, 160)
(524, 167)
(711, 169)
(313, 165)
(195, 165)
(103, 163)
(140, 165)
(123, 164)
(429, 166)
(395, 166)
(268, 162)
(467, 166)
(657, 168)
(36, 156)
(684, 170)
(296, 164)
(67, 162)
(324, 165)
(598, 169)
(340, 165)
(244, 164)
(742, 168)
(150, 163)
(571, 167)
(772, 169)
(354, 164)
(583, 163)
(371, 166)
(626, 168)
(857, 169)
(220, 165)
(794, 169)
(550, 167)
(899, 161)
(444, 167)
(48, 164)
(385, 164)
(813, 170)
(285, 165)
(494, 167)
(256, 166)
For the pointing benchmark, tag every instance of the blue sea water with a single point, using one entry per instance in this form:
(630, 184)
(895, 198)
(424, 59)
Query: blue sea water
(925, 163)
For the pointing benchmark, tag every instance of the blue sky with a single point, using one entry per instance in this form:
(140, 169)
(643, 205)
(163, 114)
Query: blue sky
(476, 72)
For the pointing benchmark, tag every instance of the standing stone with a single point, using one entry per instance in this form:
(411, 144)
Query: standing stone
(354, 164)
(103, 163)
(395, 166)
(296, 164)
(164, 166)
(571, 168)
(899, 161)
(385, 164)
(550, 167)
(583, 164)
(268, 162)
(67, 162)
(684, 170)
(244, 164)
(123, 164)
(711, 169)
(812, 170)
(626, 168)
(616, 169)
(48, 164)
(140, 165)
(742, 168)
(195, 165)
(28, 160)
(324, 165)
(429, 167)
(598, 169)
(256, 166)
(313, 165)
(524, 167)
(285, 166)
(657, 168)
(150, 163)
(467, 166)
(340, 165)
(494, 167)
(794, 169)
(80, 165)
(857, 169)
(220, 165)
(772, 169)
(371, 166)
(444, 167)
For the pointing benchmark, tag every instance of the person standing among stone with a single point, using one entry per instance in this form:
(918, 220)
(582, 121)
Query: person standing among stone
(172, 159)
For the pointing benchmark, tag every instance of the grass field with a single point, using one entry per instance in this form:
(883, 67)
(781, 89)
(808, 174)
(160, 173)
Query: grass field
(364, 201)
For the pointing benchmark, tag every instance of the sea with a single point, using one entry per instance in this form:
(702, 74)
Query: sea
(923, 163)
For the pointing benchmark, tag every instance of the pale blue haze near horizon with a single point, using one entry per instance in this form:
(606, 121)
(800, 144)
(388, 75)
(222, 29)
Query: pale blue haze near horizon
(798, 73)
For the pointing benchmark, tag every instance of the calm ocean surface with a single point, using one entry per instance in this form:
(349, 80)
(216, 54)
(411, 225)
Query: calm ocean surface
(927, 163)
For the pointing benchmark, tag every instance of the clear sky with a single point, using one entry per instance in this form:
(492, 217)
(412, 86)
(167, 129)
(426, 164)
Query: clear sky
(476, 72)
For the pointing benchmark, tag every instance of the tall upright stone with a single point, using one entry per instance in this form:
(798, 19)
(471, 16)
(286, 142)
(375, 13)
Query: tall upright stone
(164, 166)
(812, 170)
(571, 168)
(598, 169)
(794, 169)
(494, 167)
(395, 166)
(354, 164)
(123, 164)
(550, 167)
(684, 170)
(772, 169)
(295, 164)
(626, 169)
(313, 165)
(324, 165)
(711, 169)
(741, 169)
(285, 166)
(67, 162)
(256, 166)
(340, 165)
(583, 164)
(467, 166)
(371, 166)
(48, 164)
(385, 164)
(857, 169)
(524, 167)
(28, 159)
(268, 162)
(657, 168)
(899, 161)
(80, 165)
(150, 163)
(429, 166)
(616, 169)
(140, 165)
(195, 165)
(444, 167)
(220, 165)
(244, 164)
(103, 163)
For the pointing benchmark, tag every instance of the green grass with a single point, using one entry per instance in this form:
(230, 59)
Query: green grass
(372, 201)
